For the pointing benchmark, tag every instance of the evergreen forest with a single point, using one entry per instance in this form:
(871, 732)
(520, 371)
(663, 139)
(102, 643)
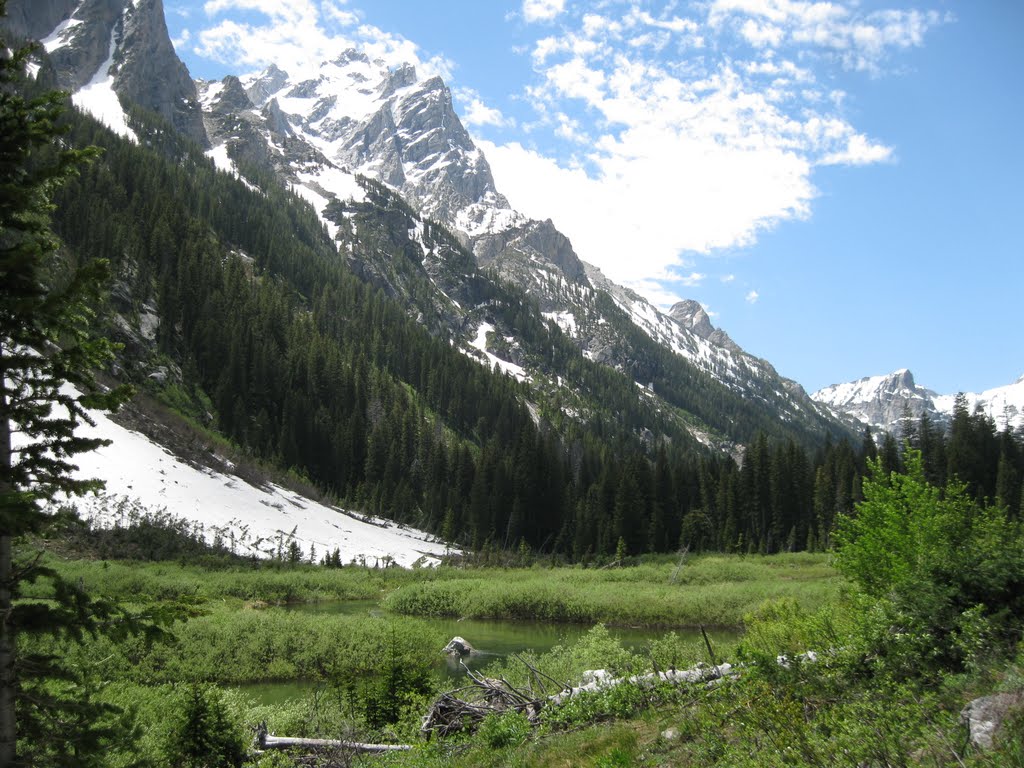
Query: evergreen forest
(280, 344)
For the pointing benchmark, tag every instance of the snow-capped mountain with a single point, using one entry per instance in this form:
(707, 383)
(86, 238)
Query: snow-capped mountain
(356, 116)
(320, 132)
(881, 401)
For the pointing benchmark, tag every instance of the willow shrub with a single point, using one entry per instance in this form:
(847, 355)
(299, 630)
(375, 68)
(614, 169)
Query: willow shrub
(945, 571)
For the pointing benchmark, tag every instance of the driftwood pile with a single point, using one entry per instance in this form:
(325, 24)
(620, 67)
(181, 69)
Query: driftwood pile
(466, 707)
(463, 709)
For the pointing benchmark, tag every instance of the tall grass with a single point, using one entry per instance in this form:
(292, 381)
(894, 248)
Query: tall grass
(230, 647)
(260, 581)
(713, 590)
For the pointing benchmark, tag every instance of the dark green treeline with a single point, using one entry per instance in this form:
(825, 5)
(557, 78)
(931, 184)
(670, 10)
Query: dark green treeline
(303, 363)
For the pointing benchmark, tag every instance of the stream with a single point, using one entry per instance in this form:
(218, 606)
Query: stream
(493, 638)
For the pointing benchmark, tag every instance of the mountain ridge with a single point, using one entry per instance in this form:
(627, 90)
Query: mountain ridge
(881, 402)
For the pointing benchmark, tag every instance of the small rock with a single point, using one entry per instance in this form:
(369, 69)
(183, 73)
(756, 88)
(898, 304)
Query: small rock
(670, 734)
(984, 716)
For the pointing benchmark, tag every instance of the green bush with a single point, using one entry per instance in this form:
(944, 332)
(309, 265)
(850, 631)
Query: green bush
(946, 572)
(507, 729)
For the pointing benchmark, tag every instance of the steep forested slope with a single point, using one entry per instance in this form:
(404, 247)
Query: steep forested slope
(235, 306)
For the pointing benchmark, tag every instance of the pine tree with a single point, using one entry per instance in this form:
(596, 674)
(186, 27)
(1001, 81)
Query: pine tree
(46, 386)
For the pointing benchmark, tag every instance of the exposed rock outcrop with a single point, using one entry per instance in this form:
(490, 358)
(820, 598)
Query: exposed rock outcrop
(984, 717)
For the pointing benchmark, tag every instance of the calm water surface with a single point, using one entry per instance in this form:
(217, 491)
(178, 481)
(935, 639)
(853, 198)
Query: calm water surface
(492, 637)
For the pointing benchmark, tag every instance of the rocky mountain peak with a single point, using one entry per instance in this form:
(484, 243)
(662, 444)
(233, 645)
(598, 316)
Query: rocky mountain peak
(230, 97)
(150, 73)
(267, 83)
(348, 56)
(276, 119)
(692, 316)
(402, 77)
(901, 379)
(120, 45)
(881, 401)
(521, 248)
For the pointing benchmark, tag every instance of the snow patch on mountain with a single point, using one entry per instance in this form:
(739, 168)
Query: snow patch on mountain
(565, 320)
(256, 519)
(62, 35)
(480, 343)
(1004, 405)
(99, 99)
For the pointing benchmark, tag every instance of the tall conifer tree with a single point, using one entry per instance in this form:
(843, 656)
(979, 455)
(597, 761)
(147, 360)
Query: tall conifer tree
(46, 386)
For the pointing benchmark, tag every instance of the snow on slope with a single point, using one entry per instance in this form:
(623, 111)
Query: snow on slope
(880, 400)
(96, 97)
(1005, 405)
(480, 343)
(255, 519)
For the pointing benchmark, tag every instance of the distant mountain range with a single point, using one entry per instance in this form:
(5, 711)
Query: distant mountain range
(881, 401)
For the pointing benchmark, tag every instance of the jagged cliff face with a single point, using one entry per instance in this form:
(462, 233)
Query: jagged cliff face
(126, 40)
(880, 401)
(386, 124)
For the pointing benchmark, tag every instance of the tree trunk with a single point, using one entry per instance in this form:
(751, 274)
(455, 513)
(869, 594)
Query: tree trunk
(266, 741)
(8, 723)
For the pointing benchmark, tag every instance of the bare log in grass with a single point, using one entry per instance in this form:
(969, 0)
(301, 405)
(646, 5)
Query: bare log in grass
(265, 741)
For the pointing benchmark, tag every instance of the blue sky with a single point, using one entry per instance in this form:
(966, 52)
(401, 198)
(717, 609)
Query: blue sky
(839, 183)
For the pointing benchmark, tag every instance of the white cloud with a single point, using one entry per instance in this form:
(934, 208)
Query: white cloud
(752, 297)
(861, 41)
(859, 150)
(682, 149)
(761, 35)
(542, 10)
(181, 40)
(336, 12)
(691, 280)
(475, 113)
(299, 35)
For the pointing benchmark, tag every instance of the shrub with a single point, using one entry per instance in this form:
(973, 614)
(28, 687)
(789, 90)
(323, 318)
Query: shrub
(939, 564)
(203, 733)
(507, 729)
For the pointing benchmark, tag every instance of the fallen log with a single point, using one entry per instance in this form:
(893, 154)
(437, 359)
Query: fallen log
(265, 741)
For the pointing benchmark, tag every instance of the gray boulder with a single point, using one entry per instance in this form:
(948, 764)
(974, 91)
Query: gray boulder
(984, 716)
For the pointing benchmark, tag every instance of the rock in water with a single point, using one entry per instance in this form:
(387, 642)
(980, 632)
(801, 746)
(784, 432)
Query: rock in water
(458, 646)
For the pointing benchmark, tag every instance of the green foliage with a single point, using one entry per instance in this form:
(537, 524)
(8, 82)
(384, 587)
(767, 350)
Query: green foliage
(707, 590)
(503, 730)
(48, 358)
(947, 570)
(203, 734)
(392, 683)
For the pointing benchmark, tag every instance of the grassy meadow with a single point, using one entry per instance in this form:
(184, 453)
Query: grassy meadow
(657, 592)
(381, 671)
